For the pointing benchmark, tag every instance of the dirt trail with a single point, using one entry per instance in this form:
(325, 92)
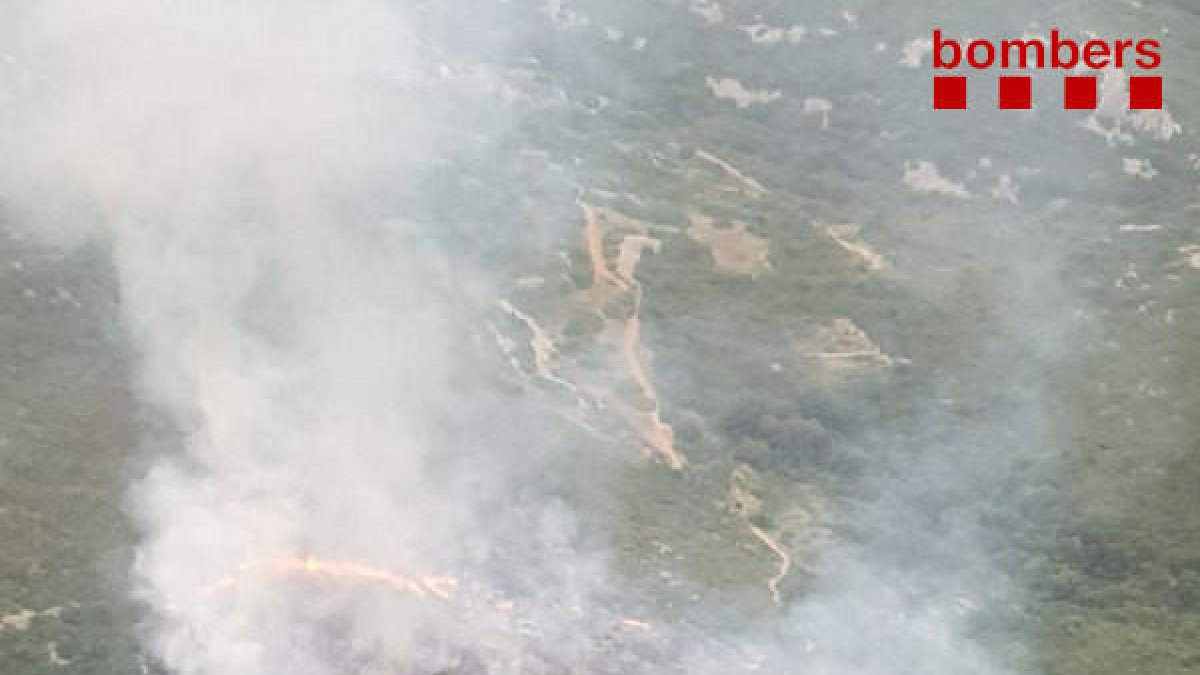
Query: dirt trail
(785, 562)
(540, 343)
(746, 504)
(593, 237)
(630, 254)
(616, 280)
(845, 347)
(751, 187)
(847, 236)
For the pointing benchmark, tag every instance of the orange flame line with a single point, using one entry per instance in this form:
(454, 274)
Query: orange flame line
(440, 586)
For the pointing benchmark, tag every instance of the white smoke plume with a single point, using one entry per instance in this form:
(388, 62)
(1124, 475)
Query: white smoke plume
(296, 323)
(287, 318)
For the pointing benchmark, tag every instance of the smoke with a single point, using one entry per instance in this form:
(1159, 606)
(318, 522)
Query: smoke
(867, 624)
(261, 171)
(291, 319)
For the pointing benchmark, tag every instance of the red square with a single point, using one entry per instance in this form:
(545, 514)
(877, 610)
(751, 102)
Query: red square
(1145, 92)
(949, 92)
(1016, 92)
(1079, 92)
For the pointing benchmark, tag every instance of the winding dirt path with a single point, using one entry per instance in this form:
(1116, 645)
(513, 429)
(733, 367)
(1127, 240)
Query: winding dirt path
(785, 561)
(751, 187)
(657, 435)
(541, 344)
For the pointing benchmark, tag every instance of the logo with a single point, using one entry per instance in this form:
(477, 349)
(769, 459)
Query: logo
(1015, 91)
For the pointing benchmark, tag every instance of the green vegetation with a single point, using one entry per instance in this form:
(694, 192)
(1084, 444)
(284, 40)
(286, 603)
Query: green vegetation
(1043, 393)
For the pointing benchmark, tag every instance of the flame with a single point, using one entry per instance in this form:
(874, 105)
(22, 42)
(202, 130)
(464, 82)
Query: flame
(346, 570)
(635, 624)
(352, 571)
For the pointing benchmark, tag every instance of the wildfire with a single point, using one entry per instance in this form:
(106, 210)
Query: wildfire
(312, 566)
(634, 624)
(352, 571)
